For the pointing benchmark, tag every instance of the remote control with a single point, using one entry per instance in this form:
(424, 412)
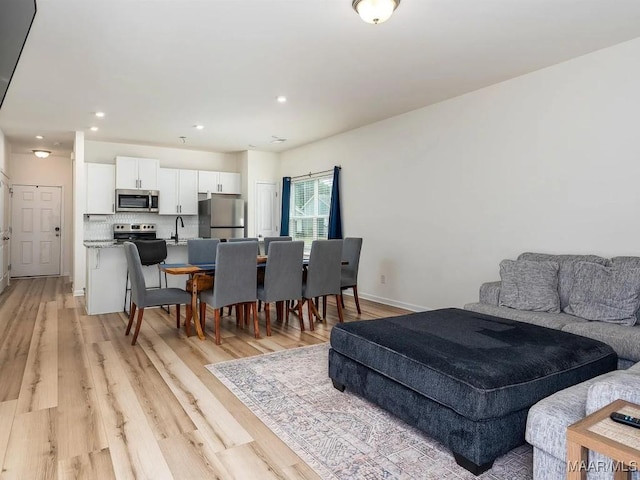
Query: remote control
(625, 419)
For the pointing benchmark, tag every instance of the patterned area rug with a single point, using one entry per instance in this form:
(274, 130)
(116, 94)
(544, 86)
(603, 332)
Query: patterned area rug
(340, 435)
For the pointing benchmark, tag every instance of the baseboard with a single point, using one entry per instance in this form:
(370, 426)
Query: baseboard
(393, 303)
(78, 293)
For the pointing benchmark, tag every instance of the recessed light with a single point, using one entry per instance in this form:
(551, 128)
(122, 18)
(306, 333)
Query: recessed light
(281, 99)
(100, 114)
(198, 127)
(94, 129)
(39, 137)
(278, 140)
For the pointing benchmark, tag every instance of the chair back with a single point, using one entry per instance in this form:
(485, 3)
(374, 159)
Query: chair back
(351, 248)
(283, 272)
(151, 252)
(202, 250)
(138, 285)
(236, 274)
(268, 240)
(248, 239)
(323, 272)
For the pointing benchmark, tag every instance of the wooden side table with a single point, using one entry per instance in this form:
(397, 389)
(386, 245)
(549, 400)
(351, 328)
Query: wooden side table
(599, 433)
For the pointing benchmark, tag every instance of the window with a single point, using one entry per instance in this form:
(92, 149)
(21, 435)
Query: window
(310, 203)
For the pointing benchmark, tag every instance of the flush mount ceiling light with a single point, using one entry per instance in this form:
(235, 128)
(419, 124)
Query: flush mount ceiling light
(39, 137)
(375, 11)
(41, 153)
(277, 139)
(199, 127)
(100, 114)
(281, 99)
(94, 129)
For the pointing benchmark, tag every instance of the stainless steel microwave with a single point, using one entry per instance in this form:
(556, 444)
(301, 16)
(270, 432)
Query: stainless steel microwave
(137, 200)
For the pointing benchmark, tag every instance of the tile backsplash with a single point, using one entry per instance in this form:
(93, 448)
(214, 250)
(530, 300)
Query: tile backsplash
(100, 227)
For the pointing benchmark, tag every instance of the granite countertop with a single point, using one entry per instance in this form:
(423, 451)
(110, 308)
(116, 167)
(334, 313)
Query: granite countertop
(113, 244)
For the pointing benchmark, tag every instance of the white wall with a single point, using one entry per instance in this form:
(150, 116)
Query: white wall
(549, 161)
(51, 171)
(4, 154)
(105, 152)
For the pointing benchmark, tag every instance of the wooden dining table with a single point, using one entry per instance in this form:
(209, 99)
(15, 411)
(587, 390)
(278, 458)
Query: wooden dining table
(197, 271)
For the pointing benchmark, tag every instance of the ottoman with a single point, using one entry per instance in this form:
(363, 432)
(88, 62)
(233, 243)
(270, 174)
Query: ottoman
(464, 378)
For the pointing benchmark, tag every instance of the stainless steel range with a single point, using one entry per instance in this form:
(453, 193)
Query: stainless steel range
(123, 232)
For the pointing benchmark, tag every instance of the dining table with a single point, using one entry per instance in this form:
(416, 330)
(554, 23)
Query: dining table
(196, 272)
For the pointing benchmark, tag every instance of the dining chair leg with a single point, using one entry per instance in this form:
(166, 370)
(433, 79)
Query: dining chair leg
(132, 312)
(253, 307)
(267, 315)
(324, 306)
(310, 313)
(203, 314)
(177, 316)
(355, 296)
(300, 317)
(188, 317)
(314, 308)
(339, 304)
(217, 324)
(138, 324)
(342, 299)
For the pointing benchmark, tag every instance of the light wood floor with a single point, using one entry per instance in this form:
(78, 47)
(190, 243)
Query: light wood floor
(78, 401)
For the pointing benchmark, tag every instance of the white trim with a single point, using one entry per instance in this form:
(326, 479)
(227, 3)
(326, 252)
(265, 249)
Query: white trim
(78, 293)
(393, 303)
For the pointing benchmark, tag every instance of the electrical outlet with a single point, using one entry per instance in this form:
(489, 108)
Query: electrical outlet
(383, 279)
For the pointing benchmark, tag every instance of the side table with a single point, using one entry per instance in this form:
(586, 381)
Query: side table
(599, 433)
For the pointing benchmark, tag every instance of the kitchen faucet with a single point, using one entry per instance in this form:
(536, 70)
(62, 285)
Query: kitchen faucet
(175, 237)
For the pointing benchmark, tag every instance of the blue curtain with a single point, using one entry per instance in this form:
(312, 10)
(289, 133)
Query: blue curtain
(286, 201)
(335, 217)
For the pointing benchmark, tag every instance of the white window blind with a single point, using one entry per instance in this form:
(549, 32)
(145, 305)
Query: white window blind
(310, 203)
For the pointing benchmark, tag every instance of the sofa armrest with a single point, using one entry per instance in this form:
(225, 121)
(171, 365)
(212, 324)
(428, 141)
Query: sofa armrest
(490, 293)
(621, 385)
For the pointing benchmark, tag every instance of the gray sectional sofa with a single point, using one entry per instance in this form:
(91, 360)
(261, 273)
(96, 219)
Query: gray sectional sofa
(587, 284)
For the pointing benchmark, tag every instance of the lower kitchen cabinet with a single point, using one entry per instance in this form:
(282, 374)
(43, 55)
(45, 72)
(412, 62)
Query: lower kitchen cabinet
(107, 272)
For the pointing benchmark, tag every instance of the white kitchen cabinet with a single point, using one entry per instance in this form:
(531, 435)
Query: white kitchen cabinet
(101, 186)
(219, 182)
(178, 191)
(137, 173)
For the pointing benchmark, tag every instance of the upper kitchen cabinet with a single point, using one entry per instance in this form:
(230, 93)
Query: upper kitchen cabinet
(219, 182)
(178, 191)
(101, 186)
(137, 173)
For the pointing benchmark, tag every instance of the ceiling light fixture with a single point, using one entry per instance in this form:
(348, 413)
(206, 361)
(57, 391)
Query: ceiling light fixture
(278, 139)
(199, 127)
(375, 11)
(39, 137)
(100, 114)
(281, 99)
(94, 129)
(41, 153)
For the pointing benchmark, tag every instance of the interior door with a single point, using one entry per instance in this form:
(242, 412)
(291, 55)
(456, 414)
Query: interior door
(36, 230)
(266, 210)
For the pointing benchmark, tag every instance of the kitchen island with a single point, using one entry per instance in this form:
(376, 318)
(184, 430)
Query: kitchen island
(107, 272)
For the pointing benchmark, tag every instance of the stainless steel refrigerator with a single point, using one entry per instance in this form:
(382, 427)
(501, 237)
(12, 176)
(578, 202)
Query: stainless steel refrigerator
(221, 217)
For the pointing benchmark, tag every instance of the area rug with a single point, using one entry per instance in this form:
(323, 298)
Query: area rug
(340, 435)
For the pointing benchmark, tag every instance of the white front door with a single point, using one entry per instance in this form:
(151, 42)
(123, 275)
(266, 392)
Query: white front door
(36, 226)
(5, 231)
(266, 210)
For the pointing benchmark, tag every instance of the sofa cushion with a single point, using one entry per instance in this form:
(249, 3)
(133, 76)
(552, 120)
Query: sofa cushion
(607, 294)
(566, 265)
(624, 340)
(529, 285)
(623, 385)
(542, 319)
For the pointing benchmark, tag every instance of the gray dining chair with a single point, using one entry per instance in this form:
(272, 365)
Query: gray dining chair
(151, 252)
(245, 239)
(199, 251)
(142, 297)
(235, 283)
(323, 276)
(267, 241)
(282, 278)
(351, 248)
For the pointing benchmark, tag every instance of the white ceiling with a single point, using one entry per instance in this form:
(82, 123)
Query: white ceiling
(158, 67)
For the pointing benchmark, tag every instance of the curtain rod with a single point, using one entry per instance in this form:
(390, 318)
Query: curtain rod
(310, 174)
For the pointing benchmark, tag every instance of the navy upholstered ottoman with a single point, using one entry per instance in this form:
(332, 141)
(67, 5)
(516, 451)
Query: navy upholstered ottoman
(464, 378)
